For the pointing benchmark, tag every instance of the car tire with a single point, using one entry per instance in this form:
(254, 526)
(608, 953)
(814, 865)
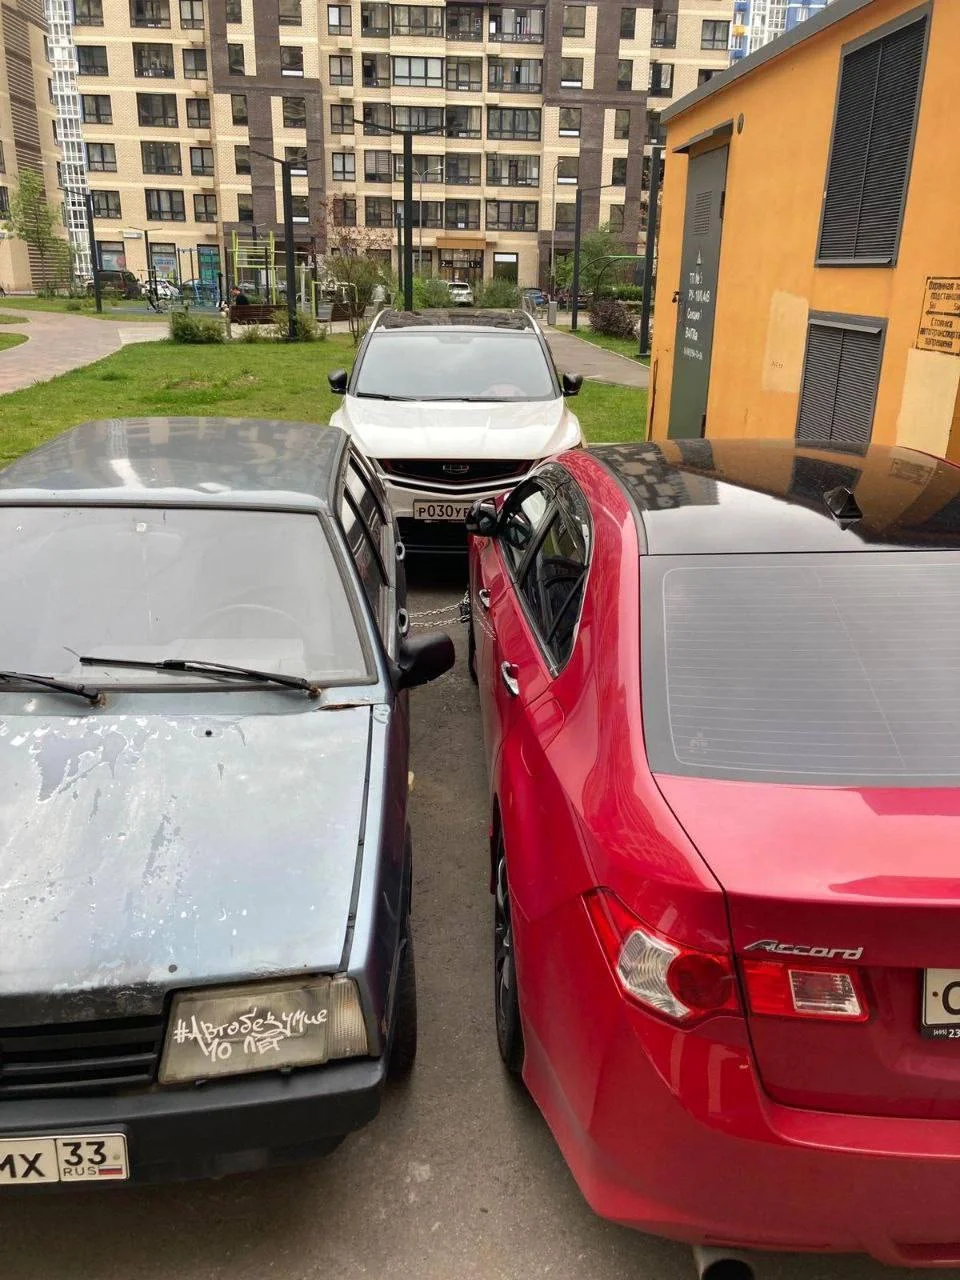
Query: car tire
(403, 1049)
(506, 999)
(472, 653)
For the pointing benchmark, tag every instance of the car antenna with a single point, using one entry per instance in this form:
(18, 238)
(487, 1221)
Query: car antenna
(842, 505)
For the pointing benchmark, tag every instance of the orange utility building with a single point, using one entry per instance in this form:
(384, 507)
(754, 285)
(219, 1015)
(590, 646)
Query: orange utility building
(809, 257)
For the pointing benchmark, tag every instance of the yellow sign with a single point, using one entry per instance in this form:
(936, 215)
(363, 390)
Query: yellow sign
(940, 319)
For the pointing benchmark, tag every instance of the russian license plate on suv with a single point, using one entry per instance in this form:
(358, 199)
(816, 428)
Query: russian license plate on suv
(941, 1004)
(80, 1157)
(433, 509)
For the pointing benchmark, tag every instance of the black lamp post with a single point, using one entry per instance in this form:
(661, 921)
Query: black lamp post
(290, 265)
(94, 254)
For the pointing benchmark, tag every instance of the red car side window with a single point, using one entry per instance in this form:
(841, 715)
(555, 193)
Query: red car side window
(552, 587)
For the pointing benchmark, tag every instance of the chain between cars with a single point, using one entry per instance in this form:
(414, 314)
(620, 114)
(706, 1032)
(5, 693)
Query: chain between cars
(428, 617)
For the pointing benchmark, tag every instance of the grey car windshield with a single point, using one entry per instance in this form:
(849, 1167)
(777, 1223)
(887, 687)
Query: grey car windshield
(825, 669)
(435, 364)
(254, 588)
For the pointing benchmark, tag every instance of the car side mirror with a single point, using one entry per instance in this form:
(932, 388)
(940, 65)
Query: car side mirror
(338, 382)
(572, 382)
(483, 519)
(423, 658)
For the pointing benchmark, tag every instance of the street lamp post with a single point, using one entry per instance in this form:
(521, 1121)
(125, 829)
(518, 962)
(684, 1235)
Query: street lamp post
(94, 254)
(553, 231)
(290, 263)
(652, 212)
(420, 175)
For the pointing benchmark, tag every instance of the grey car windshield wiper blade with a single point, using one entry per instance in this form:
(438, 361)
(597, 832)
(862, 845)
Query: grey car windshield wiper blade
(375, 395)
(93, 696)
(201, 668)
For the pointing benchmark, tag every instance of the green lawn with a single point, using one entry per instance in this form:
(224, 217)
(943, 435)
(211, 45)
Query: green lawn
(124, 311)
(8, 340)
(267, 380)
(622, 346)
(6, 319)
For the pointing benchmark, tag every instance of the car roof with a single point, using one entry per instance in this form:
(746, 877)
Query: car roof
(440, 318)
(231, 462)
(695, 497)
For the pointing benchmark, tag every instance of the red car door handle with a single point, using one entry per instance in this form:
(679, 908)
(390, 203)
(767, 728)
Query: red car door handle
(483, 599)
(508, 674)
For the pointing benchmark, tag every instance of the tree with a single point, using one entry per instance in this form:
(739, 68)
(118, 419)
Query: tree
(354, 265)
(595, 250)
(35, 221)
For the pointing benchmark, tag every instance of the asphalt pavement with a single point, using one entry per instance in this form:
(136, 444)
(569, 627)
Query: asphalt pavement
(458, 1178)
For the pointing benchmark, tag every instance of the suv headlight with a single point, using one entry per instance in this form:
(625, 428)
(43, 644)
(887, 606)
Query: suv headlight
(227, 1031)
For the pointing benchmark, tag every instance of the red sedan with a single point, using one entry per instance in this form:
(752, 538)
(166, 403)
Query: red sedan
(720, 689)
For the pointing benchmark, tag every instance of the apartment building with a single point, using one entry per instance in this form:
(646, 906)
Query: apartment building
(757, 22)
(185, 107)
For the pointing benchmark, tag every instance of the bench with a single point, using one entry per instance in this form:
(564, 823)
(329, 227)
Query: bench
(253, 313)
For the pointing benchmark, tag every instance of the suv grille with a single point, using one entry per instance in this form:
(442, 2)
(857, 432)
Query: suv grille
(79, 1057)
(455, 471)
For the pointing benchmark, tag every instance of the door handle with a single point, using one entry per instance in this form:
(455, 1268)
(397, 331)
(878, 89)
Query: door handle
(483, 599)
(508, 674)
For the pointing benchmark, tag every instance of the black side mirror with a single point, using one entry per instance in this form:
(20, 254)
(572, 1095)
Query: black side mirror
(483, 518)
(423, 658)
(572, 382)
(338, 381)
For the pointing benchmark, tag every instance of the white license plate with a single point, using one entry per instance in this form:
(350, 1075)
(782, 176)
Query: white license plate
(941, 1004)
(80, 1157)
(437, 510)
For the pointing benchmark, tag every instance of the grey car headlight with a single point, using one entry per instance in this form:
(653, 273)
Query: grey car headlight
(228, 1031)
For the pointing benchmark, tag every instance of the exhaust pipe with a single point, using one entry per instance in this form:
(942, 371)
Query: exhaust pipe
(722, 1264)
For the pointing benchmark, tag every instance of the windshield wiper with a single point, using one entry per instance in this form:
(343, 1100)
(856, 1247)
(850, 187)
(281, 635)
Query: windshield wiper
(375, 395)
(93, 696)
(195, 667)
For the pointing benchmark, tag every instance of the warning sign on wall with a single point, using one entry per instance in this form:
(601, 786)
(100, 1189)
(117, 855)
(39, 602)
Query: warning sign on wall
(940, 319)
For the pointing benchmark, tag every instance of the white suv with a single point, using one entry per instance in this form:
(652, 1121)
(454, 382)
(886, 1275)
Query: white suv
(461, 294)
(452, 408)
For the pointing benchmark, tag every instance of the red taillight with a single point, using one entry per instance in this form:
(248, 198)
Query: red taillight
(786, 990)
(677, 981)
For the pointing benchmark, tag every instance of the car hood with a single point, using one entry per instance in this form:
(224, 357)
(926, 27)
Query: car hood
(452, 429)
(140, 854)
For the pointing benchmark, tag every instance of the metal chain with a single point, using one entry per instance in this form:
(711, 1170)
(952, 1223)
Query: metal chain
(461, 608)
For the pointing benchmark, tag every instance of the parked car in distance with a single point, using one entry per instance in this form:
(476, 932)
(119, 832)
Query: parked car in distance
(461, 293)
(165, 289)
(451, 408)
(122, 282)
(204, 734)
(535, 297)
(721, 709)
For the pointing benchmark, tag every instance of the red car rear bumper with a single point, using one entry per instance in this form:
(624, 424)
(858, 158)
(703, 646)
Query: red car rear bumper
(670, 1132)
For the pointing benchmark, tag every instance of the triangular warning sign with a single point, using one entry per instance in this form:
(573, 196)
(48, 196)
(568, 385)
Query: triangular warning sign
(699, 258)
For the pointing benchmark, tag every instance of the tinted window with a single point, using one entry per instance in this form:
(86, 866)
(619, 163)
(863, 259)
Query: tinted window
(800, 668)
(523, 515)
(362, 520)
(552, 586)
(439, 365)
(256, 588)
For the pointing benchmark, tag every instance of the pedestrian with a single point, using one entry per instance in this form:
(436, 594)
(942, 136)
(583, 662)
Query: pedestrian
(240, 299)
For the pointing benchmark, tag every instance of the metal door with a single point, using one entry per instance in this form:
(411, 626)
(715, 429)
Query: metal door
(697, 295)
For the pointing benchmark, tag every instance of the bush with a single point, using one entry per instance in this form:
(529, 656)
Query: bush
(187, 328)
(74, 304)
(612, 318)
(251, 333)
(498, 293)
(623, 292)
(304, 327)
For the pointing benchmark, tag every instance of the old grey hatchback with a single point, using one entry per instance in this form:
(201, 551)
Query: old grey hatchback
(204, 854)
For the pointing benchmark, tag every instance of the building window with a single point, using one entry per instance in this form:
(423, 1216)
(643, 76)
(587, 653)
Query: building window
(191, 15)
(512, 215)
(291, 61)
(416, 20)
(101, 157)
(425, 169)
(464, 22)
(88, 13)
(625, 74)
(378, 211)
(615, 221)
(516, 25)
(465, 74)
(344, 211)
(194, 64)
(296, 157)
(870, 154)
(661, 79)
(571, 73)
(344, 166)
(165, 206)
(295, 113)
(664, 34)
(204, 208)
(149, 13)
(3, 163)
(461, 215)
(463, 122)
(421, 118)
(421, 73)
(375, 70)
(341, 69)
(376, 119)
(714, 35)
(160, 157)
(574, 21)
(92, 60)
(516, 75)
(201, 162)
(300, 208)
(341, 118)
(513, 171)
(4, 201)
(241, 158)
(291, 13)
(514, 122)
(198, 113)
(426, 213)
(154, 61)
(235, 59)
(565, 217)
(569, 122)
(618, 175)
(245, 207)
(157, 110)
(568, 170)
(841, 372)
(656, 131)
(238, 108)
(234, 10)
(628, 24)
(705, 74)
(96, 108)
(340, 23)
(621, 123)
(375, 21)
(377, 166)
(463, 170)
(106, 204)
